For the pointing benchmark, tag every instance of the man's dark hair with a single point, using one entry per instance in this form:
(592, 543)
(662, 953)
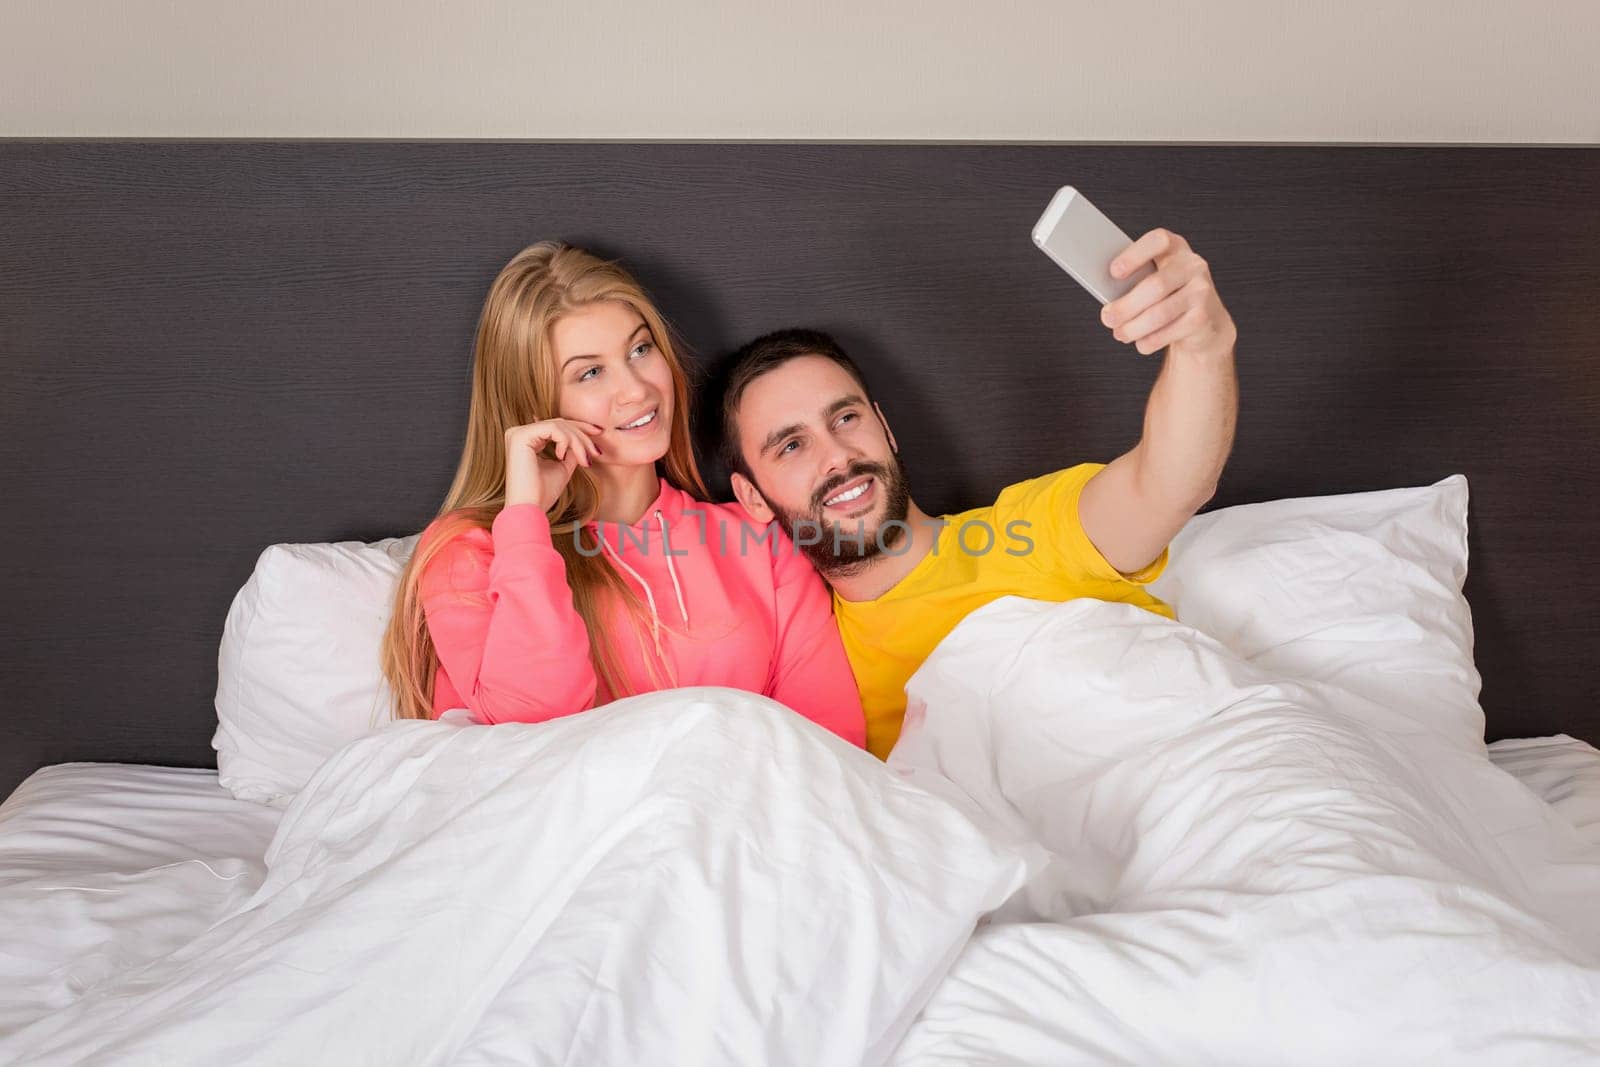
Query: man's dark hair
(767, 353)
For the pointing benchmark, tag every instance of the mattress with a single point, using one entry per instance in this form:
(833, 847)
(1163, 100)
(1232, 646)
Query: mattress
(103, 864)
(106, 864)
(1562, 770)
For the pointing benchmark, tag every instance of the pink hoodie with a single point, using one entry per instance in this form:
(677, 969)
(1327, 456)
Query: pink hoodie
(748, 614)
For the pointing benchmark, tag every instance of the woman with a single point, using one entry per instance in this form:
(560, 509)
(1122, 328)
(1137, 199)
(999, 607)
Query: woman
(575, 560)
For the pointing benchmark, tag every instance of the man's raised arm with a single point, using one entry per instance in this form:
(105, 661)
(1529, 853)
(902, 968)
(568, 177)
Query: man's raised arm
(1139, 502)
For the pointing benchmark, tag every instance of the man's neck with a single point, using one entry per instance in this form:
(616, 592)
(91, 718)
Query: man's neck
(877, 576)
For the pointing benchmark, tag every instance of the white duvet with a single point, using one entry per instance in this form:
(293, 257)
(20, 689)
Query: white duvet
(1183, 860)
(690, 877)
(1247, 869)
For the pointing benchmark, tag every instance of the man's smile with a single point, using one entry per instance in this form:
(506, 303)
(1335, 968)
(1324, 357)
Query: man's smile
(854, 496)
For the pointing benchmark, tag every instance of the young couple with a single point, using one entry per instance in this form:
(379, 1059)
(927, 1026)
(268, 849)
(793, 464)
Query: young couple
(577, 560)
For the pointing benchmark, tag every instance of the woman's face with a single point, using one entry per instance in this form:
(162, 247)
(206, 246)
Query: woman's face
(613, 374)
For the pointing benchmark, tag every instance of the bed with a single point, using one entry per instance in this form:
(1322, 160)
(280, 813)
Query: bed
(135, 849)
(104, 866)
(220, 347)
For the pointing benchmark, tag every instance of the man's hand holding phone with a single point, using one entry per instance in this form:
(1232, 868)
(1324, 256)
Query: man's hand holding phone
(1157, 292)
(1175, 307)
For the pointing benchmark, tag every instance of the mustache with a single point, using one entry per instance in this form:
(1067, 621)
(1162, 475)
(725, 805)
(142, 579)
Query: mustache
(838, 481)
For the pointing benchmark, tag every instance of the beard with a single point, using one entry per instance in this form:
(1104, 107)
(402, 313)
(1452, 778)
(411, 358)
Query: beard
(846, 548)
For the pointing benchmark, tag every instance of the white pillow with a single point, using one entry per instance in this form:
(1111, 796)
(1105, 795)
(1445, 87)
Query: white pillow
(297, 671)
(1360, 590)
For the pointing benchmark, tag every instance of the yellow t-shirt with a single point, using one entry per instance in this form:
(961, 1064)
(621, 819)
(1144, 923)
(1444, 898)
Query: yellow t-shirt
(1029, 543)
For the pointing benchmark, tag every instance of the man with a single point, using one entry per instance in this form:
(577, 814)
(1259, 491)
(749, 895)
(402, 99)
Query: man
(808, 447)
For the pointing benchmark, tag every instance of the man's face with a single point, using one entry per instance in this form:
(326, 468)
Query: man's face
(823, 463)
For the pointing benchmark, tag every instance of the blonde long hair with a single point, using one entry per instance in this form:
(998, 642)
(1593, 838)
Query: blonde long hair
(515, 381)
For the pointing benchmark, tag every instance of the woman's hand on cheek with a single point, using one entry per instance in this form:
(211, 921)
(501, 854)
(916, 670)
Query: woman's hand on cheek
(541, 456)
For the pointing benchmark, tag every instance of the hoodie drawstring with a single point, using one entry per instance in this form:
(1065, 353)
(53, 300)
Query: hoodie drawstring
(650, 597)
(666, 546)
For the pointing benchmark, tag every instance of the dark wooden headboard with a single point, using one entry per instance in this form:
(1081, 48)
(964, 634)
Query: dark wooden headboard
(212, 346)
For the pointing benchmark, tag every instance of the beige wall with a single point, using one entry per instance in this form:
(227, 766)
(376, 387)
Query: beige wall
(1445, 71)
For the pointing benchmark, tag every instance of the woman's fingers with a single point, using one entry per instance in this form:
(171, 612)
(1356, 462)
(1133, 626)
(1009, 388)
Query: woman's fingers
(578, 445)
(582, 446)
(594, 431)
(584, 435)
(564, 437)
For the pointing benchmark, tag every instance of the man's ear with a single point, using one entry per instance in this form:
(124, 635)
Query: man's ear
(745, 491)
(893, 447)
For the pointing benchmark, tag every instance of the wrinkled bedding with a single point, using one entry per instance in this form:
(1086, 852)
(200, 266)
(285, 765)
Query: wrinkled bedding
(1246, 868)
(1104, 837)
(696, 876)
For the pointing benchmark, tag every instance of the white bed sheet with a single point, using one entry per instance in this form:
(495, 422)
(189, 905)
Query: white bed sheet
(1562, 770)
(102, 864)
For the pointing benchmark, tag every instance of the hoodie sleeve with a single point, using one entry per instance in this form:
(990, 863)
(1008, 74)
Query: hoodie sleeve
(502, 620)
(810, 672)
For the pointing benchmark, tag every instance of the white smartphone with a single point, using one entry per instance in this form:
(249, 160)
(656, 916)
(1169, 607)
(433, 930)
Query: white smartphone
(1083, 242)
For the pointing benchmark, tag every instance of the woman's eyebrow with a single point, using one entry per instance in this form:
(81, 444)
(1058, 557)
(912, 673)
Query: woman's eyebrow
(591, 355)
